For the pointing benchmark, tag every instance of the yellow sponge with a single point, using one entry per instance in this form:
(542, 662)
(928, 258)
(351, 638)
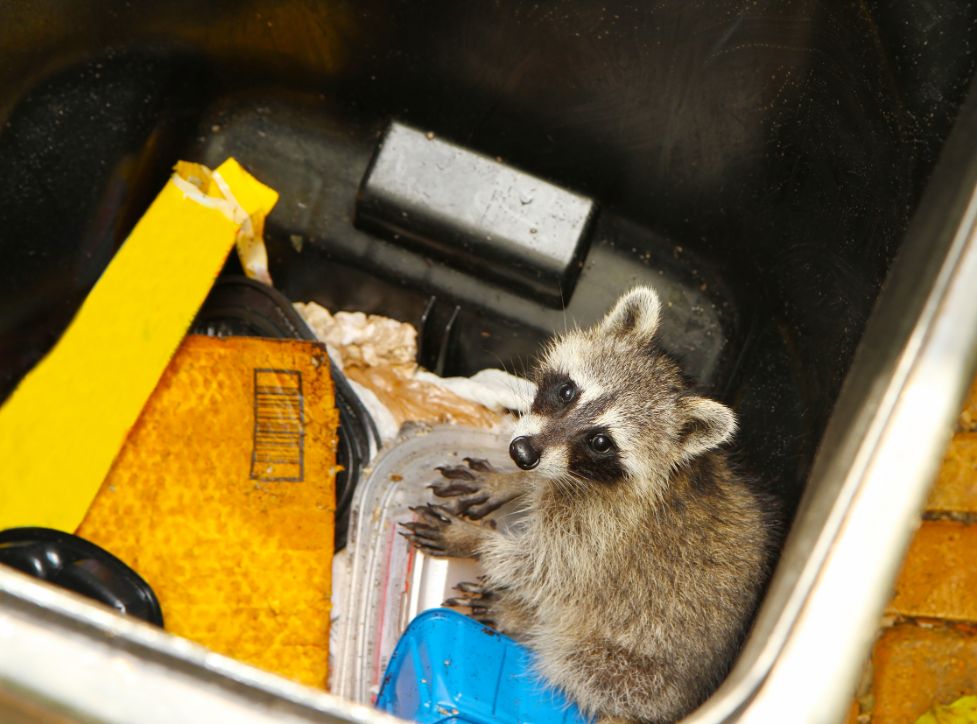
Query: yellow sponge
(223, 496)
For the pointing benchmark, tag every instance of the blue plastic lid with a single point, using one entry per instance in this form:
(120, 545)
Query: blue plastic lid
(450, 668)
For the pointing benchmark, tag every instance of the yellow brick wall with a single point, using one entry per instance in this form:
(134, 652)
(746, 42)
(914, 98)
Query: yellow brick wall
(926, 652)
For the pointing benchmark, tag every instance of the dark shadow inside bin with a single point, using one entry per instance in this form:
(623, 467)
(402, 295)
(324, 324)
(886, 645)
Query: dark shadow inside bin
(760, 165)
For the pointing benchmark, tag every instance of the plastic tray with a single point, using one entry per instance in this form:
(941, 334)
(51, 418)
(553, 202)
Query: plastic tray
(387, 582)
(449, 668)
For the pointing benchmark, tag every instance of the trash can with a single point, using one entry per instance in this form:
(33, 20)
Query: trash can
(795, 179)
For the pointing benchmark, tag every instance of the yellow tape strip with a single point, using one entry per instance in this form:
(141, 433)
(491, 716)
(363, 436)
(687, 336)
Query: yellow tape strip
(64, 424)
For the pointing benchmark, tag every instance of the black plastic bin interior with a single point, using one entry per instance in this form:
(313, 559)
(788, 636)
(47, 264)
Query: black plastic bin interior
(757, 162)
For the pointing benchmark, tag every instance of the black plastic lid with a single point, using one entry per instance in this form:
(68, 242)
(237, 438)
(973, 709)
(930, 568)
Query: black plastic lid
(80, 566)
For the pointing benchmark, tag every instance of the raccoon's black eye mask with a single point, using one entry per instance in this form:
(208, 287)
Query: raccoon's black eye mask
(556, 392)
(594, 456)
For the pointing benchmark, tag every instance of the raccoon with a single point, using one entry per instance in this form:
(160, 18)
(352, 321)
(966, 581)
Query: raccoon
(636, 569)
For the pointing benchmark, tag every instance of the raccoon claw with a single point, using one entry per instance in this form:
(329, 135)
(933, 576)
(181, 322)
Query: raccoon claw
(432, 514)
(476, 610)
(444, 489)
(478, 600)
(428, 545)
(477, 490)
(418, 528)
(455, 472)
(482, 466)
(441, 532)
(464, 506)
(476, 589)
(426, 534)
(478, 506)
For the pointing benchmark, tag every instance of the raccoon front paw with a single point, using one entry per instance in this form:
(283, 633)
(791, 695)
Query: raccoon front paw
(477, 489)
(478, 600)
(443, 533)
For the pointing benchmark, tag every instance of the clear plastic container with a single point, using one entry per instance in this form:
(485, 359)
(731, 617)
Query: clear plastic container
(387, 582)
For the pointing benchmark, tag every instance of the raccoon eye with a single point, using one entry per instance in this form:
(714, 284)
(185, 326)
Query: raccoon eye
(567, 392)
(600, 443)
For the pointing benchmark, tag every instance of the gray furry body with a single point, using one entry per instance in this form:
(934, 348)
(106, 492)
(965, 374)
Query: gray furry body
(639, 563)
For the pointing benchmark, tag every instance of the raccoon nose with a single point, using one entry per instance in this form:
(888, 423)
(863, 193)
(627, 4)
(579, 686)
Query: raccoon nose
(521, 450)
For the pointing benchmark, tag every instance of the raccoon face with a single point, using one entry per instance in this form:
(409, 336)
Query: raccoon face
(611, 408)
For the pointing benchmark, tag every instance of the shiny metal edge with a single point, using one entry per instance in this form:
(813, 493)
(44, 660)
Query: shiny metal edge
(870, 478)
(874, 467)
(81, 661)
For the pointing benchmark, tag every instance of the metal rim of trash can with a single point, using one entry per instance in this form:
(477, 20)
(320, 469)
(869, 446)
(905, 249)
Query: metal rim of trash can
(883, 444)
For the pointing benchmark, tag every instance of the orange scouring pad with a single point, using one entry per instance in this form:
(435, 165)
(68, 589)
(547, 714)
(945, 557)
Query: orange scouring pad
(222, 498)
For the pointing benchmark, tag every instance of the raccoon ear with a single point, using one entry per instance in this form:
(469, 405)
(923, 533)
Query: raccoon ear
(636, 313)
(708, 424)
